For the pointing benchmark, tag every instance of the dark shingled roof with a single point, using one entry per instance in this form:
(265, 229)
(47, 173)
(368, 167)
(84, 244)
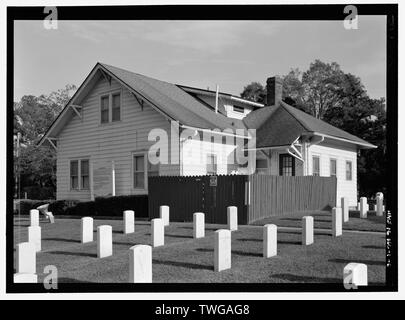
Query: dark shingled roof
(282, 124)
(174, 101)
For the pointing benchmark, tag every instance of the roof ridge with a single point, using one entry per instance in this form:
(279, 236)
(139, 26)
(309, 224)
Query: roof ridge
(284, 104)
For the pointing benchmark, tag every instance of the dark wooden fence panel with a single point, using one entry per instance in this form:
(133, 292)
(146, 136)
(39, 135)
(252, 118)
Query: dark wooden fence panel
(187, 195)
(276, 195)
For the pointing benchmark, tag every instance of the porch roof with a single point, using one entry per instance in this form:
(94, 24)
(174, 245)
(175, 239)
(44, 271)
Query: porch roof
(282, 124)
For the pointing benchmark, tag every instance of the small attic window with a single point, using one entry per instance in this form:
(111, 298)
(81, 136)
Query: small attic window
(239, 109)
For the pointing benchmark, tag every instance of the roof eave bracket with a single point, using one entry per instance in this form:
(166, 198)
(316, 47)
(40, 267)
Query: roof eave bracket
(50, 140)
(140, 100)
(77, 109)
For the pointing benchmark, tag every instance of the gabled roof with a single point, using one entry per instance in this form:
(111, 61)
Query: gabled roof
(174, 101)
(277, 125)
(169, 99)
(282, 124)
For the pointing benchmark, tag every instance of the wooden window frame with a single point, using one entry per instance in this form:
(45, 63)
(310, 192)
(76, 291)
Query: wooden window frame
(215, 164)
(330, 167)
(351, 170)
(79, 174)
(110, 106)
(146, 165)
(280, 164)
(313, 165)
(238, 109)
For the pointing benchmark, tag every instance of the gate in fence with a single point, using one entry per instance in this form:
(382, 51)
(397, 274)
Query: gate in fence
(208, 194)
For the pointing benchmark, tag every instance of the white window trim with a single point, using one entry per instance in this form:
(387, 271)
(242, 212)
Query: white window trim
(110, 94)
(330, 167)
(216, 162)
(312, 161)
(352, 169)
(79, 176)
(146, 170)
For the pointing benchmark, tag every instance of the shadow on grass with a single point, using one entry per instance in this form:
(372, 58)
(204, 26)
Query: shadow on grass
(308, 279)
(206, 228)
(62, 240)
(239, 253)
(250, 239)
(183, 264)
(70, 280)
(373, 247)
(178, 236)
(367, 262)
(290, 242)
(79, 254)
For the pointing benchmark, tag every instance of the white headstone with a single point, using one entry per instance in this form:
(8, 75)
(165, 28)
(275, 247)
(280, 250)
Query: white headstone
(269, 240)
(345, 208)
(232, 214)
(25, 278)
(336, 222)
(34, 236)
(140, 264)
(198, 225)
(379, 206)
(26, 258)
(307, 230)
(34, 217)
(363, 207)
(222, 250)
(165, 215)
(129, 221)
(104, 241)
(355, 273)
(158, 232)
(87, 229)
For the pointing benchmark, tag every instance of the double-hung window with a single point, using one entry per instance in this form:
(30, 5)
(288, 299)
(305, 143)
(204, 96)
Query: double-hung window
(315, 166)
(349, 169)
(211, 164)
(333, 168)
(142, 169)
(79, 174)
(110, 107)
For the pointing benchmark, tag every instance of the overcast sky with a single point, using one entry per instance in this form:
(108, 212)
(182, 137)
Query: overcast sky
(195, 53)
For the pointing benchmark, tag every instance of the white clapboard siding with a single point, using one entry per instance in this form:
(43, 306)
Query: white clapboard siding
(341, 152)
(194, 157)
(116, 141)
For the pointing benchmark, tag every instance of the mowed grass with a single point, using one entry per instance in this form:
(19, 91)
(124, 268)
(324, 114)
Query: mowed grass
(323, 220)
(187, 260)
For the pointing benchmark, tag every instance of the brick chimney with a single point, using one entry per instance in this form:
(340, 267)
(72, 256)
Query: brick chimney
(274, 89)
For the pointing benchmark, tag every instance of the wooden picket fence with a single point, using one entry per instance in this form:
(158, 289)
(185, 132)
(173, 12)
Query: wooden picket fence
(255, 196)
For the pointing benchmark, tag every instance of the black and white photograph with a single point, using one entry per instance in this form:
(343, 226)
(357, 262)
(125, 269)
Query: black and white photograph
(223, 148)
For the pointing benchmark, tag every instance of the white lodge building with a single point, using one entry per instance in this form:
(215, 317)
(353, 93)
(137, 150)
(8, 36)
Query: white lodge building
(102, 144)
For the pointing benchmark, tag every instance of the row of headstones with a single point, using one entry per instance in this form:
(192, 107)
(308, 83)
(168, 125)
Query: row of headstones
(26, 251)
(363, 206)
(141, 255)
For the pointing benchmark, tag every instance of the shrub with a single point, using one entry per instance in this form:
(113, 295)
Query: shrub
(59, 207)
(24, 206)
(102, 206)
(38, 193)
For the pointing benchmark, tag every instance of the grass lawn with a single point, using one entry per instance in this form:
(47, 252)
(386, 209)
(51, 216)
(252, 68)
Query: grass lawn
(184, 259)
(323, 220)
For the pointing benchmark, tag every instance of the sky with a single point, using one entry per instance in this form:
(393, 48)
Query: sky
(195, 53)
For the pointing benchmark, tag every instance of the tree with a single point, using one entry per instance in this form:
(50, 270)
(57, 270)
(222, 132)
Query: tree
(339, 98)
(254, 92)
(36, 166)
